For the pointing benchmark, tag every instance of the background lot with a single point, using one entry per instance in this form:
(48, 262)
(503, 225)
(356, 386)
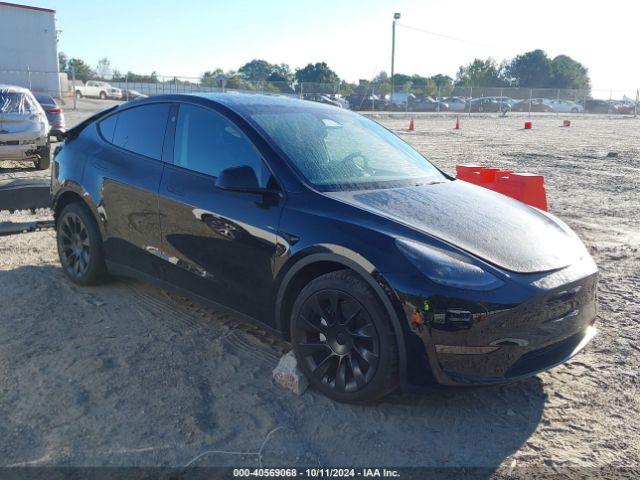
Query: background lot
(127, 374)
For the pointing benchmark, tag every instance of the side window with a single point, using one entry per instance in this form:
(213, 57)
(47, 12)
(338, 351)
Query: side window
(107, 127)
(206, 142)
(141, 129)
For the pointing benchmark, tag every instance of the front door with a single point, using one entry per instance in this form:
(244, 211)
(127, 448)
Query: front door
(218, 244)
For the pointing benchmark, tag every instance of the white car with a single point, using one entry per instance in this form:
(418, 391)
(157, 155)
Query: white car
(24, 128)
(456, 104)
(565, 106)
(96, 89)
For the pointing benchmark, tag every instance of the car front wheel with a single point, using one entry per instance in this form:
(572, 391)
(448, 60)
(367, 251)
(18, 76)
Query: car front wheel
(80, 245)
(103, 96)
(343, 340)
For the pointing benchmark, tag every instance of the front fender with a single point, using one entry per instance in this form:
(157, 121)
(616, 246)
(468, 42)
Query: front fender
(363, 267)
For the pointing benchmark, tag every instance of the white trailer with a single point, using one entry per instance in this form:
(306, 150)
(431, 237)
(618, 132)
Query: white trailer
(28, 48)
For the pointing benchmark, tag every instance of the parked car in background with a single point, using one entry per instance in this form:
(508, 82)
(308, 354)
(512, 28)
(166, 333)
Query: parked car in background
(487, 105)
(427, 104)
(54, 112)
(534, 105)
(508, 100)
(401, 99)
(455, 104)
(564, 106)
(366, 102)
(24, 128)
(331, 231)
(316, 97)
(599, 106)
(626, 108)
(129, 94)
(96, 89)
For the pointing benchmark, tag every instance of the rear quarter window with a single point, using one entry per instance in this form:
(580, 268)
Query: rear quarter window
(139, 130)
(107, 127)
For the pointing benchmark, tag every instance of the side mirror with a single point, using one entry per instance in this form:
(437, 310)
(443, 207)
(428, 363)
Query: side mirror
(241, 179)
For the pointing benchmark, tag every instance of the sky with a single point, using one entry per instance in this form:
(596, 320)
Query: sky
(187, 37)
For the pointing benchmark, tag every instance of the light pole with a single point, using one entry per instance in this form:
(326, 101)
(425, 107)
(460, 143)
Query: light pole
(396, 17)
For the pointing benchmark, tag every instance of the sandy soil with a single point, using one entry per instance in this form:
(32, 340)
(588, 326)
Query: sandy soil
(126, 374)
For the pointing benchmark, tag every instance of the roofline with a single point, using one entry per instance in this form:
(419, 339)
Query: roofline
(26, 7)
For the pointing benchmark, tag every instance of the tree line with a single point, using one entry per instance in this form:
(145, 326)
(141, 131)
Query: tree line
(533, 69)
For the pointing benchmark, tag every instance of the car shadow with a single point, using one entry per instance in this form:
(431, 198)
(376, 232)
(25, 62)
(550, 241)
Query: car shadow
(91, 357)
(21, 169)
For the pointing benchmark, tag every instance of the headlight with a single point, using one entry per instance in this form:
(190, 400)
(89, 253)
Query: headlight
(446, 268)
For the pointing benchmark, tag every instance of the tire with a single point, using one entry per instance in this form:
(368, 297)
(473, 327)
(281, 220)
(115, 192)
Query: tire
(78, 237)
(343, 339)
(103, 96)
(78, 94)
(574, 110)
(44, 162)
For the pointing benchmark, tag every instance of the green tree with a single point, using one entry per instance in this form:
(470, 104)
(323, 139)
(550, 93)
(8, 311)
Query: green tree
(63, 62)
(319, 74)
(532, 69)
(103, 69)
(256, 70)
(568, 73)
(83, 71)
(481, 73)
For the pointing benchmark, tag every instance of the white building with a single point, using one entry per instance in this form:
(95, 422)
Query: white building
(28, 48)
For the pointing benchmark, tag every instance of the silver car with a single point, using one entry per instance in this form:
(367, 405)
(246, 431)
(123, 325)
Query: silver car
(24, 128)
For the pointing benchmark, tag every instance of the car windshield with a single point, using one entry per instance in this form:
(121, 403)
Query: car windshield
(338, 150)
(15, 102)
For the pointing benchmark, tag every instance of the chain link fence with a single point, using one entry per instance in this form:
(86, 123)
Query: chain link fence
(366, 96)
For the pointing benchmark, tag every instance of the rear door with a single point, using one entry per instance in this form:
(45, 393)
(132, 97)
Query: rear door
(218, 244)
(128, 171)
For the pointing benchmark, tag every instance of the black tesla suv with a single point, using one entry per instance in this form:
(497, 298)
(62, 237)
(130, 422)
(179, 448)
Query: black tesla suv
(326, 228)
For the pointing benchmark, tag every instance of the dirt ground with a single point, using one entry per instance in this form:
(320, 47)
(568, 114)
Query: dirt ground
(126, 374)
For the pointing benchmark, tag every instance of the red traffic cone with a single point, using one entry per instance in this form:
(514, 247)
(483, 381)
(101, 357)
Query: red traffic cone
(411, 125)
(457, 127)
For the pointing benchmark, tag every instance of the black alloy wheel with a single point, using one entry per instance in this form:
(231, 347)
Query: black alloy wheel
(75, 246)
(342, 340)
(80, 245)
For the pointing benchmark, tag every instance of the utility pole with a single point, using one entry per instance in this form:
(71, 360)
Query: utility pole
(396, 17)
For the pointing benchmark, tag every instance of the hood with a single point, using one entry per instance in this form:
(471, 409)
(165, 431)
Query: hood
(490, 226)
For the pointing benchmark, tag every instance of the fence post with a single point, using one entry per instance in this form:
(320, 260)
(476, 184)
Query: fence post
(73, 86)
(470, 98)
(29, 75)
(501, 91)
(126, 85)
(437, 99)
(530, 98)
(301, 87)
(373, 92)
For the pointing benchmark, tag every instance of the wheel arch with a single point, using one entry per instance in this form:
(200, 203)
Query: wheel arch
(312, 266)
(75, 194)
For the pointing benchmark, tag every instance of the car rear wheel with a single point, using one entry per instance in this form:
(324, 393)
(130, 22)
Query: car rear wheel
(78, 94)
(80, 245)
(343, 340)
(44, 160)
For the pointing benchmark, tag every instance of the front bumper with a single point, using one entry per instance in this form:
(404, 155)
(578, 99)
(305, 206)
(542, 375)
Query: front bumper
(536, 323)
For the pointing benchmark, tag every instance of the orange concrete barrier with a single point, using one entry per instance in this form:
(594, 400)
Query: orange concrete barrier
(466, 172)
(525, 187)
